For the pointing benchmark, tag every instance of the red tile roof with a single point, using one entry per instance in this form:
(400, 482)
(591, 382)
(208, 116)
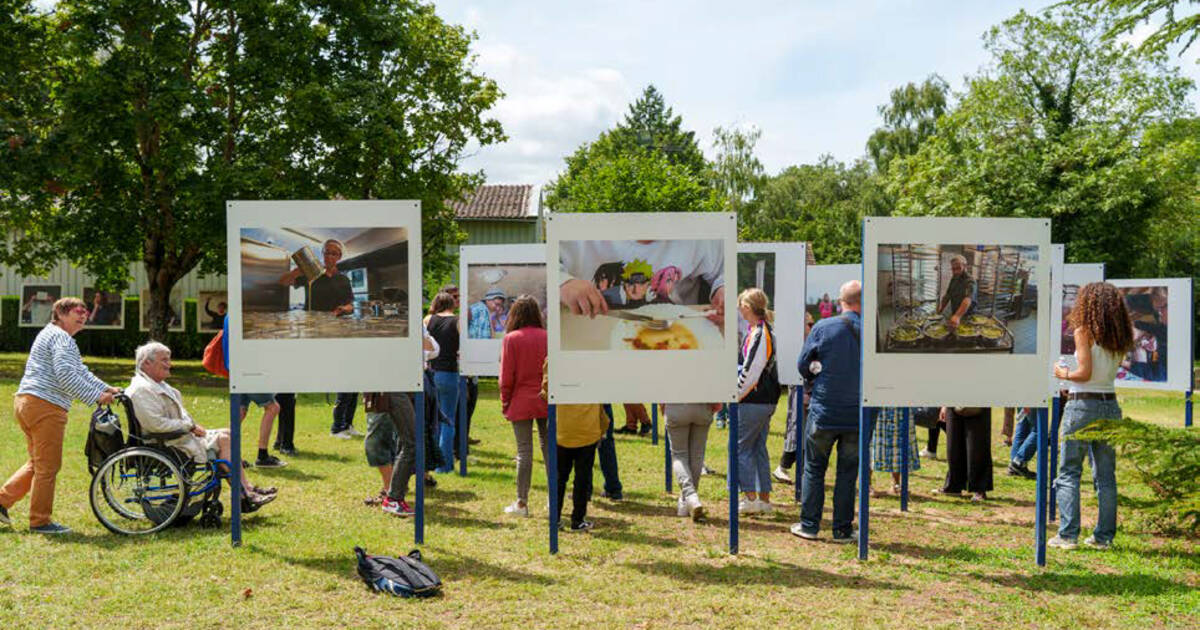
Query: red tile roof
(496, 201)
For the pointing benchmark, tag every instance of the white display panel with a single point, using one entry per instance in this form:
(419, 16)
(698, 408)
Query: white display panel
(174, 303)
(37, 304)
(484, 270)
(1162, 316)
(661, 265)
(993, 343)
(1067, 278)
(357, 264)
(106, 309)
(779, 270)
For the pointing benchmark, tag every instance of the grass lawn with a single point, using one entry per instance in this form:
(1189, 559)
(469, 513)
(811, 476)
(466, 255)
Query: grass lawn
(946, 563)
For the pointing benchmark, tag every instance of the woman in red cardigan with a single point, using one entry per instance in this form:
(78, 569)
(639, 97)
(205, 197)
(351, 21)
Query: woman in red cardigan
(521, 356)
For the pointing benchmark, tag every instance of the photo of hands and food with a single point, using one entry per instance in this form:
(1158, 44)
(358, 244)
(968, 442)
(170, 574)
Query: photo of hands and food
(491, 290)
(756, 270)
(106, 309)
(37, 303)
(174, 310)
(211, 308)
(642, 295)
(957, 299)
(324, 283)
(1147, 362)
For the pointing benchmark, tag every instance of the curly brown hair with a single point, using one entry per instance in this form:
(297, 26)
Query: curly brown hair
(1100, 310)
(525, 312)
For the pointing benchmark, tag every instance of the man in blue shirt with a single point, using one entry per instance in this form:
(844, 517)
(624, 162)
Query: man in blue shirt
(831, 363)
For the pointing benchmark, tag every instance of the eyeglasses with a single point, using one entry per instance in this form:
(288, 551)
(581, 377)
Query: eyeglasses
(78, 309)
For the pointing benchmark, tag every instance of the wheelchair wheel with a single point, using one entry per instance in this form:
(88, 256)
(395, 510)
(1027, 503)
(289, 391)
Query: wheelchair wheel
(138, 491)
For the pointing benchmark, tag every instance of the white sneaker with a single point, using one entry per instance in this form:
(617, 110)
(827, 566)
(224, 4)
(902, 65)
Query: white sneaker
(798, 530)
(764, 507)
(749, 507)
(342, 435)
(516, 509)
(1062, 543)
(681, 508)
(780, 475)
(1091, 541)
(927, 455)
(694, 509)
(353, 432)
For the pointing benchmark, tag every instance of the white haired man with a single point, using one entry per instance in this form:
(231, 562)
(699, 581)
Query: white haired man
(159, 409)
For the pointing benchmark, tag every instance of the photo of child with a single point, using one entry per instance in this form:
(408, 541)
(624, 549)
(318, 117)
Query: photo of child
(1148, 359)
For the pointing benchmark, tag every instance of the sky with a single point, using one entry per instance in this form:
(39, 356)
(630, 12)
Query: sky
(810, 75)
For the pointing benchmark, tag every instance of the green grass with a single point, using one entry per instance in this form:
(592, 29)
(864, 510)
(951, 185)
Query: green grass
(946, 563)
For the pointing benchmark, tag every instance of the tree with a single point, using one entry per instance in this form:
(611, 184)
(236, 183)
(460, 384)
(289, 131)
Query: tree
(909, 118)
(1176, 27)
(736, 173)
(646, 163)
(146, 117)
(1055, 128)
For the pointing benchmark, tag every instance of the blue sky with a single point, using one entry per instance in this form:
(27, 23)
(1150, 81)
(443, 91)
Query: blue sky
(809, 74)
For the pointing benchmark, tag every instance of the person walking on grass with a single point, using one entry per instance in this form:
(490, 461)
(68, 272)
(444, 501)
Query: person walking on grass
(758, 393)
(886, 454)
(54, 376)
(1103, 335)
(580, 428)
(270, 410)
(442, 324)
(522, 354)
(687, 430)
(830, 361)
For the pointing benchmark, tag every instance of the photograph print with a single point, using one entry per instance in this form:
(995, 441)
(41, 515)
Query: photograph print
(106, 309)
(211, 308)
(656, 295)
(174, 310)
(1147, 362)
(37, 304)
(956, 298)
(491, 290)
(823, 287)
(755, 270)
(324, 283)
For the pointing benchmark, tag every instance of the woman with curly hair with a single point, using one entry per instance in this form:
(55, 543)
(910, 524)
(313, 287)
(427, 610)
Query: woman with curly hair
(1103, 334)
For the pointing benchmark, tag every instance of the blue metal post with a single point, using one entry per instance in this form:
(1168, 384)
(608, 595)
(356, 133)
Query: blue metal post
(801, 418)
(1040, 517)
(460, 421)
(1187, 408)
(864, 480)
(552, 474)
(1052, 440)
(732, 476)
(654, 424)
(419, 498)
(904, 459)
(235, 468)
(666, 456)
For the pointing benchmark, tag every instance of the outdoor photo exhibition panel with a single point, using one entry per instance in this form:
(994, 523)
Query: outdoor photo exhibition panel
(322, 296)
(1161, 310)
(106, 309)
(37, 304)
(491, 278)
(175, 310)
(956, 312)
(1067, 279)
(211, 307)
(778, 269)
(661, 277)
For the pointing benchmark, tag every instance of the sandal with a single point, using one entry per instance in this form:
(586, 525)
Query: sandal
(979, 497)
(948, 493)
(267, 490)
(895, 488)
(375, 499)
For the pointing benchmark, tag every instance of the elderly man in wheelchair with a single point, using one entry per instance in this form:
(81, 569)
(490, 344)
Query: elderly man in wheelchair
(171, 467)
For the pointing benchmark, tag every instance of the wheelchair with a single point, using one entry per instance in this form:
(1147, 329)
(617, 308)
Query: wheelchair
(144, 486)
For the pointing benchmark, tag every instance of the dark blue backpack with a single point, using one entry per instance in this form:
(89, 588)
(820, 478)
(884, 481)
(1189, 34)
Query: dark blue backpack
(406, 576)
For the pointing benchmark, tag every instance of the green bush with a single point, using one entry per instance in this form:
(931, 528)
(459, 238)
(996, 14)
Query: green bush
(1167, 460)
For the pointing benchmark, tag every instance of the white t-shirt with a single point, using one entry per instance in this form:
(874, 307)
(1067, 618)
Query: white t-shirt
(696, 260)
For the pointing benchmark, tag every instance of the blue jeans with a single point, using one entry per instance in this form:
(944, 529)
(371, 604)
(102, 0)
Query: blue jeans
(1024, 441)
(448, 396)
(754, 464)
(818, 445)
(608, 460)
(1103, 459)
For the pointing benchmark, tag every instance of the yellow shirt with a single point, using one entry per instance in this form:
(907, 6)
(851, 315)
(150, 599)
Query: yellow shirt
(580, 425)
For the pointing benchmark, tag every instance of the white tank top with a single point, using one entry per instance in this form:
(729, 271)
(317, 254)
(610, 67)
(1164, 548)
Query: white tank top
(1104, 371)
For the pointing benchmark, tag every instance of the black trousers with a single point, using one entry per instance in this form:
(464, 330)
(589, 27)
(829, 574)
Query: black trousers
(343, 412)
(286, 432)
(932, 442)
(968, 452)
(581, 459)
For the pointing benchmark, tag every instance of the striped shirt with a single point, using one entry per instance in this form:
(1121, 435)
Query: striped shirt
(758, 359)
(55, 372)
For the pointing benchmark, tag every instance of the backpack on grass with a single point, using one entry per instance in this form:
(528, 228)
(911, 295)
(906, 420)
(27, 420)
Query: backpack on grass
(405, 576)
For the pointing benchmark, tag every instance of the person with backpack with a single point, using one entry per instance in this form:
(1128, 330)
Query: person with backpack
(758, 393)
(831, 362)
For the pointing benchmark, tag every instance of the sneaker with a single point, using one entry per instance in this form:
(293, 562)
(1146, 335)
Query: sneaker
(615, 497)
(1059, 542)
(51, 528)
(780, 475)
(1020, 469)
(798, 530)
(270, 461)
(396, 508)
(290, 452)
(472, 441)
(927, 454)
(645, 429)
(720, 423)
(626, 430)
(749, 507)
(1091, 541)
(581, 526)
(516, 509)
(698, 514)
(764, 507)
(845, 537)
(4, 516)
(344, 434)
(681, 508)
(353, 432)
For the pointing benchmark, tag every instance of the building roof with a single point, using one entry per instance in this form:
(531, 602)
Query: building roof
(499, 201)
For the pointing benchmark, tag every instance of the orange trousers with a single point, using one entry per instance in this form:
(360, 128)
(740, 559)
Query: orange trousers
(44, 424)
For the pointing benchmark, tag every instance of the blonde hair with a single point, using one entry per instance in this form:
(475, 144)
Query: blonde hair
(64, 306)
(757, 301)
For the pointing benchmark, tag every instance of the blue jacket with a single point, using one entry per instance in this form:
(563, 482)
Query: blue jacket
(835, 342)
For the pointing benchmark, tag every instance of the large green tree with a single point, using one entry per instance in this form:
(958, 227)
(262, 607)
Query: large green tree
(737, 175)
(647, 163)
(1177, 21)
(142, 118)
(1057, 127)
(909, 119)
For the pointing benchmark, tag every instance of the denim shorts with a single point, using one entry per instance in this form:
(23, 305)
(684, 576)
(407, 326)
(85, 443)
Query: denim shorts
(262, 400)
(380, 442)
(1083, 411)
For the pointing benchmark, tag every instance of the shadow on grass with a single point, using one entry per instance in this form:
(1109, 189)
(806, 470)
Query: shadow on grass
(317, 456)
(766, 572)
(109, 540)
(1095, 584)
(622, 531)
(441, 515)
(286, 472)
(451, 566)
(929, 552)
